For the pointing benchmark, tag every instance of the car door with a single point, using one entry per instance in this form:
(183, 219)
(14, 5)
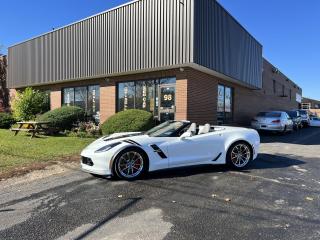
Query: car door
(195, 149)
(289, 121)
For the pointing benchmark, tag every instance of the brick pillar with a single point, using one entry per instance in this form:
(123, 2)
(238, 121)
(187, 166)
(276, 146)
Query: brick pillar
(55, 98)
(107, 100)
(181, 98)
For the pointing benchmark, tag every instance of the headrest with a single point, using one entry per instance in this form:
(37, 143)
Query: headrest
(192, 128)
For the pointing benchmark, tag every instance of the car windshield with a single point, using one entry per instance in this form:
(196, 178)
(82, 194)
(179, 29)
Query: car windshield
(269, 114)
(165, 129)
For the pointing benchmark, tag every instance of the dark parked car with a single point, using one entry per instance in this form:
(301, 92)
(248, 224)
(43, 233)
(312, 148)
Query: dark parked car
(305, 118)
(296, 118)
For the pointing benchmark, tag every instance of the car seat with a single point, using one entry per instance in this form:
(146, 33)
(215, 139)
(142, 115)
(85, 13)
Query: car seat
(192, 129)
(204, 129)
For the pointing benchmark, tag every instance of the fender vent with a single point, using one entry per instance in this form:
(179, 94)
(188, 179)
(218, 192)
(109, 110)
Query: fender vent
(158, 150)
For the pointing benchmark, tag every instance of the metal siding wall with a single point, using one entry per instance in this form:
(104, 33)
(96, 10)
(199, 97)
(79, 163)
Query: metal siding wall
(221, 44)
(141, 35)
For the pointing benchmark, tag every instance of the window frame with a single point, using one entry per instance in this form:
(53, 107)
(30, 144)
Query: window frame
(226, 119)
(74, 95)
(156, 82)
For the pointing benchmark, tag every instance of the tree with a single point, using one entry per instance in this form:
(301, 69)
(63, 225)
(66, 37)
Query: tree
(29, 103)
(4, 92)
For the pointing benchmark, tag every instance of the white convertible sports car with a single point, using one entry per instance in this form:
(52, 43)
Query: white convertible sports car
(169, 145)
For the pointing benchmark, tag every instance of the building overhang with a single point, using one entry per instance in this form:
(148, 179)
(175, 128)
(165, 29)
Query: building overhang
(179, 66)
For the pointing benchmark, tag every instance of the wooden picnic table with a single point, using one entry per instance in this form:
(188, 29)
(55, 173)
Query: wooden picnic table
(32, 127)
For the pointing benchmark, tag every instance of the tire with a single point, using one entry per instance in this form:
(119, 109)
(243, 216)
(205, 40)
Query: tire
(245, 150)
(284, 130)
(130, 164)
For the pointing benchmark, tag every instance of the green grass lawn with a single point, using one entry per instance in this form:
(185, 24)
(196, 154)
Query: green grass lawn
(20, 150)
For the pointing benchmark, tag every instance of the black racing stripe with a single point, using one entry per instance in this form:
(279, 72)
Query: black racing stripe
(132, 142)
(158, 150)
(217, 157)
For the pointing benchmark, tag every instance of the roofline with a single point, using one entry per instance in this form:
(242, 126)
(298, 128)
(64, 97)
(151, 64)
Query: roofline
(264, 59)
(238, 23)
(76, 22)
(118, 7)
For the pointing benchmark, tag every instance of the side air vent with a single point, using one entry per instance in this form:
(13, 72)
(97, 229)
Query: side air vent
(158, 150)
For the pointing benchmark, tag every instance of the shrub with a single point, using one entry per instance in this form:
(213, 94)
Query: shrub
(128, 121)
(29, 103)
(63, 118)
(85, 130)
(6, 120)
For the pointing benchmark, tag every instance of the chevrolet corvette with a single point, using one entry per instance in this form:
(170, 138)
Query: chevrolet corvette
(171, 144)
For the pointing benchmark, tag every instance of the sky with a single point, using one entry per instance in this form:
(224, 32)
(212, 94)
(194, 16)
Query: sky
(289, 30)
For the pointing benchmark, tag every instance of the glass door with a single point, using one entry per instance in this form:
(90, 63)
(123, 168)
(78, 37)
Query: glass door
(167, 102)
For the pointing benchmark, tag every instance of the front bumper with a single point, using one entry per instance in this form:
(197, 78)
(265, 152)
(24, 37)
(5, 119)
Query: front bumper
(96, 163)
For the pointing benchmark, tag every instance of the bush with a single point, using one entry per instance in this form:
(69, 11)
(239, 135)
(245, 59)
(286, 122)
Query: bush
(63, 118)
(85, 130)
(29, 103)
(6, 120)
(128, 121)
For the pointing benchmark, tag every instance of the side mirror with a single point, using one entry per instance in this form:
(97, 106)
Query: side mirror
(186, 135)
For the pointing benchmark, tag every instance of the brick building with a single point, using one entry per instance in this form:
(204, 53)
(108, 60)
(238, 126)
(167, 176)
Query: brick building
(179, 59)
(308, 103)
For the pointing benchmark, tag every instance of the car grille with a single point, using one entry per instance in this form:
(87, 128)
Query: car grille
(87, 161)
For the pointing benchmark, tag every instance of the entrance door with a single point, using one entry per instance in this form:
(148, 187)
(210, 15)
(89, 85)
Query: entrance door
(167, 102)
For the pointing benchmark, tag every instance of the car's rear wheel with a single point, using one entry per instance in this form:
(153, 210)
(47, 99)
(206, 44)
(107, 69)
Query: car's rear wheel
(130, 164)
(239, 155)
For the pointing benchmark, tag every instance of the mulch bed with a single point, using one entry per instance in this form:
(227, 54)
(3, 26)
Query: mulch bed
(22, 170)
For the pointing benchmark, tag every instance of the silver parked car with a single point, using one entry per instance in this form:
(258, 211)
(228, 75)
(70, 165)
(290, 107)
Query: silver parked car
(275, 121)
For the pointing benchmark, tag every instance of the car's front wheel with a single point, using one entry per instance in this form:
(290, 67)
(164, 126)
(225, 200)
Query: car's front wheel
(239, 155)
(130, 164)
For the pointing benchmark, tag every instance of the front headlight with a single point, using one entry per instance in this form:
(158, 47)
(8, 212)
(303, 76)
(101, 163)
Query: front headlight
(107, 147)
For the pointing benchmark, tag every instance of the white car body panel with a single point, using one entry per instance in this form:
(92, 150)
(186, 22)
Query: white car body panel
(209, 148)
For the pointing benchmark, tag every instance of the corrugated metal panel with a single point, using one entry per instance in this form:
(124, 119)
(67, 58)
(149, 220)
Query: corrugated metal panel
(141, 35)
(223, 45)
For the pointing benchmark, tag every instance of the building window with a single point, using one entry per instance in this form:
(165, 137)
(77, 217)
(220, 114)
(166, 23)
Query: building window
(80, 97)
(93, 105)
(225, 104)
(283, 90)
(156, 96)
(87, 97)
(274, 87)
(68, 96)
(290, 94)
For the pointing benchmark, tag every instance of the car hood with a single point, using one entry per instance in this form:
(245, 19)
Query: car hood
(113, 138)
(134, 138)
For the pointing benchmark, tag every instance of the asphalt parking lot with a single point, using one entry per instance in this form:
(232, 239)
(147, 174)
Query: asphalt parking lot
(278, 197)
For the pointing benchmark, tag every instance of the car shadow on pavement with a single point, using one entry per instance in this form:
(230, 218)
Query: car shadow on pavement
(264, 161)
